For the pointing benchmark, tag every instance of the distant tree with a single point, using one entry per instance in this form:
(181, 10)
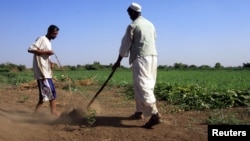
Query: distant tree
(21, 67)
(67, 67)
(90, 67)
(96, 63)
(162, 67)
(246, 65)
(180, 66)
(192, 67)
(73, 68)
(78, 66)
(2, 65)
(13, 67)
(218, 65)
(204, 67)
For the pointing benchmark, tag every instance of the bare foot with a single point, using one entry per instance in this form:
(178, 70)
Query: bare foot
(57, 114)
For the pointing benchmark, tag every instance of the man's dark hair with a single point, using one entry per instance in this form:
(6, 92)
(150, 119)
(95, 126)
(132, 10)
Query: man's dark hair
(53, 28)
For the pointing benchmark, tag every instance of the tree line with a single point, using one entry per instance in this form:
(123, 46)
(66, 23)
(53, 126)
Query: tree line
(7, 67)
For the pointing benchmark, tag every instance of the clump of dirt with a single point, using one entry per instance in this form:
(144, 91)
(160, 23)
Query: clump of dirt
(27, 86)
(77, 113)
(85, 82)
(76, 116)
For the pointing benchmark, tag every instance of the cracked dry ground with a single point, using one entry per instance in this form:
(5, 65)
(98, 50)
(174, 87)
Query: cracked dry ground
(110, 111)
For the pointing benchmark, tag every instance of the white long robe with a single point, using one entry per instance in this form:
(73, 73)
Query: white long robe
(144, 77)
(139, 44)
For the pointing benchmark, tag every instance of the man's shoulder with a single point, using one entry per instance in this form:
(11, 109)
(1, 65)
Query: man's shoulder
(43, 37)
(142, 19)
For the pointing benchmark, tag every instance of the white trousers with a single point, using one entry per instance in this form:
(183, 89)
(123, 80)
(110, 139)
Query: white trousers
(144, 78)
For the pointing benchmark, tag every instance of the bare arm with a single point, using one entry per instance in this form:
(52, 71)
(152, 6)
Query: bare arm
(41, 52)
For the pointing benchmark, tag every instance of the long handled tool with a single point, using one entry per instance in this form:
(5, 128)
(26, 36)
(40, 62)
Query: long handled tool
(67, 78)
(104, 84)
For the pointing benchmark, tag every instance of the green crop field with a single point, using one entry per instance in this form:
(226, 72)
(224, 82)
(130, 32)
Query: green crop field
(214, 80)
(192, 89)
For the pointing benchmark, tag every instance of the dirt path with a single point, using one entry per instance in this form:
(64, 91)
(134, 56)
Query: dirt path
(111, 113)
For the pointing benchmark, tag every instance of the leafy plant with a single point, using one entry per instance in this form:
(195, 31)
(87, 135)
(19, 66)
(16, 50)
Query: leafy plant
(218, 117)
(91, 117)
(24, 98)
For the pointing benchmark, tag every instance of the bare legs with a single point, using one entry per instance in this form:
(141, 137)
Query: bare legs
(52, 107)
(38, 105)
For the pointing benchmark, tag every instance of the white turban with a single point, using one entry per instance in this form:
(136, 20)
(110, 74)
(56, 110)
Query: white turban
(136, 7)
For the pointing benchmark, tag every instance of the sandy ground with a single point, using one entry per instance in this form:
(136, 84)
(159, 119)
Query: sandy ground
(108, 119)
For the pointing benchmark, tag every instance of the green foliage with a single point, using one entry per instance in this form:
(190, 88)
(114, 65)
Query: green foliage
(4, 70)
(246, 65)
(12, 67)
(218, 117)
(189, 89)
(128, 90)
(91, 117)
(197, 97)
(202, 89)
(15, 78)
(21, 68)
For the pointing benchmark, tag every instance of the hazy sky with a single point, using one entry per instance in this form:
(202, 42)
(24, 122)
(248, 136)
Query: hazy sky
(192, 32)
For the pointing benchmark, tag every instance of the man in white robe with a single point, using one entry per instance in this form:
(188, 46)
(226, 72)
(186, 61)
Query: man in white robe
(139, 44)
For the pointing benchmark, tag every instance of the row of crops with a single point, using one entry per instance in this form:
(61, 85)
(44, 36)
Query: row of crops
(189, 89)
